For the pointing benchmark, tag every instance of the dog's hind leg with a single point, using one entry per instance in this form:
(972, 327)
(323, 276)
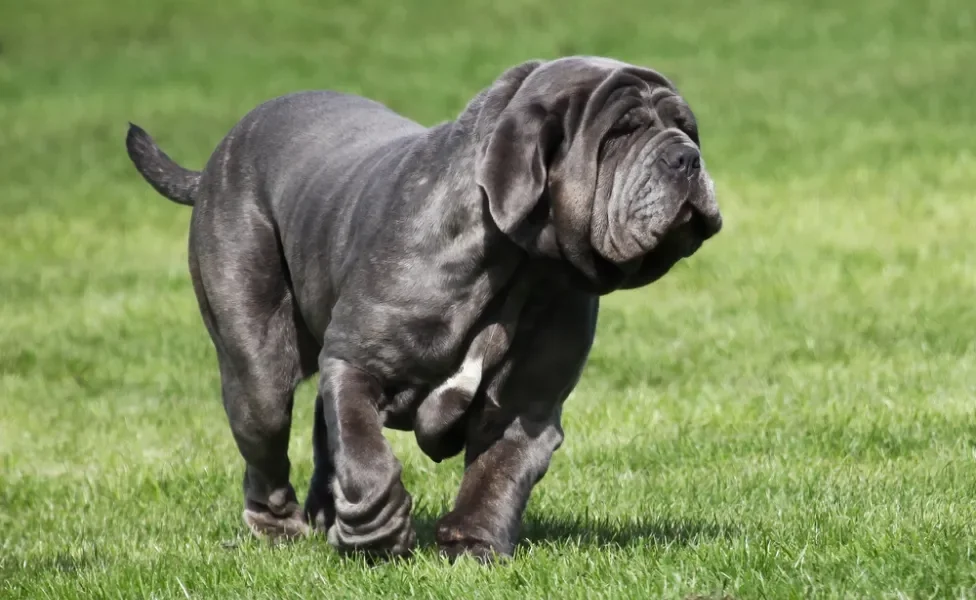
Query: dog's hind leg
(263, 349)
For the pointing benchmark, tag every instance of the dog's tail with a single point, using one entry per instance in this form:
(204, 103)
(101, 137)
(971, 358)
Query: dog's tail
(168, 178)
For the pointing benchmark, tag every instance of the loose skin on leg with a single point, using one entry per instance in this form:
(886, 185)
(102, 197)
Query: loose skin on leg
(372, 508)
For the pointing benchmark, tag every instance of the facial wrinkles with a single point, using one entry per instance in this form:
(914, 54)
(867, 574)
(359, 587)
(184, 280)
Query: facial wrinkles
(633, 181)
(659, 94)
(647, 201)
(638, 203)
(641, 202)
(607, 210)
(583, 160)
(616, 208)
(616, 240)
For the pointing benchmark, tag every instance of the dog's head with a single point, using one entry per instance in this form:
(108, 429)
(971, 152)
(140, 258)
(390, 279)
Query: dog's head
(597, 163)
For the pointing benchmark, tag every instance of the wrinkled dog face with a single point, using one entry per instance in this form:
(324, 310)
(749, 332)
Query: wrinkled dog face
(598, 163)
(661, 199)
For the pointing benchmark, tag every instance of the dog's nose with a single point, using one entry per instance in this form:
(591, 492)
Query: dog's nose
(682, 159)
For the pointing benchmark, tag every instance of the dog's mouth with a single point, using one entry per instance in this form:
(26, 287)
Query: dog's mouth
(698, 217)
(652, 239)
(691, 228)
(688, 232)
(685, 236)
(685, 214)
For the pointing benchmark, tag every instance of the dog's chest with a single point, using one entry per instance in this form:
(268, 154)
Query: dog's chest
(402, 400)
(434, 405)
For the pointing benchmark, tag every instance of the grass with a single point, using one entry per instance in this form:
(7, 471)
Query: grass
(789, 414)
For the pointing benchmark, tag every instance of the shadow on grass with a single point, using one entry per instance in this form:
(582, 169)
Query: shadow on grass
(604, 533)
(595, 532)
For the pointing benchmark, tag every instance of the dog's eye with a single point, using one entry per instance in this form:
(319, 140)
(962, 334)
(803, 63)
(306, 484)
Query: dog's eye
(689, 127)
(627, 124)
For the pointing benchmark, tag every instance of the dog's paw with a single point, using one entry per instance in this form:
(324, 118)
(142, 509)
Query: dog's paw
(400, 544)
(479, 551)
(265, 524)
(456, 541)
(385, 531)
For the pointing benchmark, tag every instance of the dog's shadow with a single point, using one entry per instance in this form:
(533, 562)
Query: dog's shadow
(596, 532)
(604, 533)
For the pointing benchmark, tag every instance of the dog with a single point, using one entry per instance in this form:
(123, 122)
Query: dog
(442, 280)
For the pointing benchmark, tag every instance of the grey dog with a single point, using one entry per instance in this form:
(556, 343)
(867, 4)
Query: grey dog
(440, 280)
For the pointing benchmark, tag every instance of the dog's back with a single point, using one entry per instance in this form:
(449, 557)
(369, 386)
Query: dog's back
(311, 129)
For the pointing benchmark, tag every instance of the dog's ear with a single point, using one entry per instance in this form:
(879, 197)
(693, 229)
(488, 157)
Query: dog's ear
(516, 136)
(512, 167)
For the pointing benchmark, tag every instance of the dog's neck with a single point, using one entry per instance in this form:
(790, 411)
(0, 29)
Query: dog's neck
(449, 193)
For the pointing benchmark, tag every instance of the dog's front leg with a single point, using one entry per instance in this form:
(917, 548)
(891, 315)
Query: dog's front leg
(372, 508)
(497, 483)
(514, 432)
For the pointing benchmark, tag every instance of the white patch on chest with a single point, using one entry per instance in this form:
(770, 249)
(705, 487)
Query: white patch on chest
(446, 404)
(467, 378)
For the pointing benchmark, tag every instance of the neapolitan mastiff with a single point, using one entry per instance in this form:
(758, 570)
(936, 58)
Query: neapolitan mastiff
(443, 280)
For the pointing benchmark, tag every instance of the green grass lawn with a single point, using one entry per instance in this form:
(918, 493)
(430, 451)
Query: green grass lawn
(791, 413)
